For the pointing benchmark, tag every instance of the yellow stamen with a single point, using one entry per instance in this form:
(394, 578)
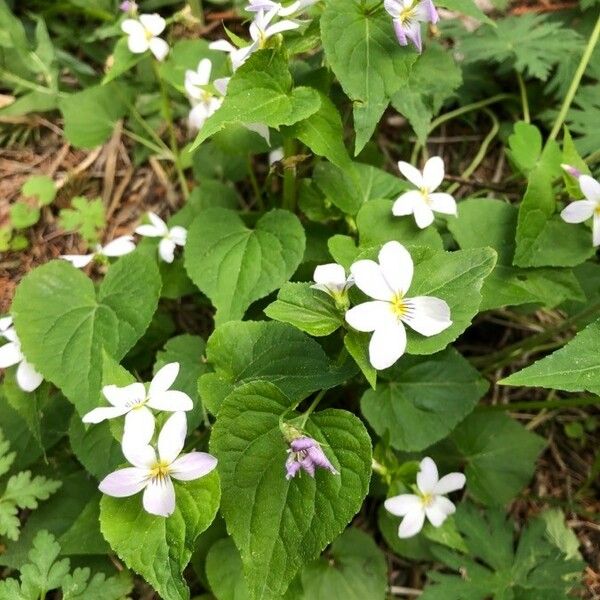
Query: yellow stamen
(426, 499)
(160, 470)
(399, 307)
(597, 210)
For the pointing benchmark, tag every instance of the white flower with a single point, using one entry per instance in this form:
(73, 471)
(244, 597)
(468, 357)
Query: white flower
(332, 280)
(143, 35)
(429, 502)
(276, 155)
(387, 283)
(135, 402)
(282, 11)
(582, 210)
(28, 379)
(176, 236)
(237, 56)
(422, 203)
(408, 16)
(154, 473)
(118, 247)
(204, 103)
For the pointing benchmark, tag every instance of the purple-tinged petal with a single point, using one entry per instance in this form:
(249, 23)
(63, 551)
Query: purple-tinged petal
(413, 33)
(124, 482)
(303, 443)
(192, 466)
(292, 466)
(427, 11)
(159, 497)
(308, 465)
(318, 457)
(400, 33)
(572, 171)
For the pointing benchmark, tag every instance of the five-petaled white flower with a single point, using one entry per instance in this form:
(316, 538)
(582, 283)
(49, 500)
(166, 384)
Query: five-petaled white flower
(332, 280)
(204, 102)
(282, 11)
(28, 379)
(135, 402)
(176, 236)
(143, 35)
(408, 16)
(581, 210)
(423, 202)
(387, 283)
(429, 501)
(118, 247)
(154, 473)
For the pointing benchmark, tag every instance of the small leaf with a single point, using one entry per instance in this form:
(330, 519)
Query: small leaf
(85, 217)
(40, 187)
(23, 216)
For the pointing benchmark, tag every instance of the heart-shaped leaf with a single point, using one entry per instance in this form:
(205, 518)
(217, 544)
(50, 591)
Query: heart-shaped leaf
(234, 265)
(278, 524)
(159, 549)
(64, 323)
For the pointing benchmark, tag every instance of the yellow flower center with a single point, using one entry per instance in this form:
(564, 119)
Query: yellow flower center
(406, 14)
(399, 307)
(160, 470)
(149, 34)
(597, 209)
(425, 195)
(426, 499)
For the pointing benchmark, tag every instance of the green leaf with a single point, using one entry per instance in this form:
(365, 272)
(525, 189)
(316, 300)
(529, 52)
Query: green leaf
(84, 537)
(79, 586)
(354, 568)
(362, 49)
(23, 216)
(188, 351)
(261, 91)
(246, 351)
(40, 187)
(279, 524)
(571, 156)
(86, 217)
(536, 568)
(466, 7)
(376, 225)
(525, 146)
(310, 310)
(357, 344)
(234, 265)
(161, 548)
(323, 133)
(499, 455)
(224, 571)
(122, 60)
(90, 115)
(58, 303)
(421, 400)
(573, 368)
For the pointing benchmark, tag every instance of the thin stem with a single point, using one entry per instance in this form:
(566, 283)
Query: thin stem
(583, 63)
(150, 145)
(542, 404)
(481, 153)
(196, 8)
(289, 175)
(524, 100)
(254, 183)
(4, 74)
(168, 115)
(312, 407)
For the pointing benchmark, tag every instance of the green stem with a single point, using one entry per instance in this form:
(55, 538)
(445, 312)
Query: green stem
(524, 100)
(150, 145)
(511, 352)
(289, 175)
(481, 153)
(542, 404)
(196, 8)
(583, 63)
(255, 186)
(311, 408)
(4, 74)
(168, 116)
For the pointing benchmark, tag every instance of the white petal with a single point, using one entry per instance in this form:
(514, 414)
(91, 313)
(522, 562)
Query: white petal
(126, 396)
(596, 229)
(427, 477)
(5, 323)
(261, 129)
(331, 275)
(158, 223)
(28, 379)
(442, 203)
(411, 524)
(139, 455)
(203, 71)
(197, 116)
(222, 46)
(396, 266)
(159, 48)
(438, 511)
(405, 203)
(423, 215)
(10, 354)
(166, 250)
(172, 437)
(178, 234)
(78, 260)
(148, 231)
(153, 23)
(10, 334)
(124, 482)
(590, 188)
(280, 27)
(578, 212)
(159, 497)
(450, 483)
(119, 246)
(403, 504)
(411, 173)
(370, 316)
(192, 466)
(97, 415)
(433, 173)
(132, 27)
(138, 43)
(171, 401)
(139, 427)
(222, 84)
(165, 377)
(427, 315)
(387, 345)
(368, 277)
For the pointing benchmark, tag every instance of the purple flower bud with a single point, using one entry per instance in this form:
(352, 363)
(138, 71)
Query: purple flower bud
(572, 171)
(306, 454)
(128, 6)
